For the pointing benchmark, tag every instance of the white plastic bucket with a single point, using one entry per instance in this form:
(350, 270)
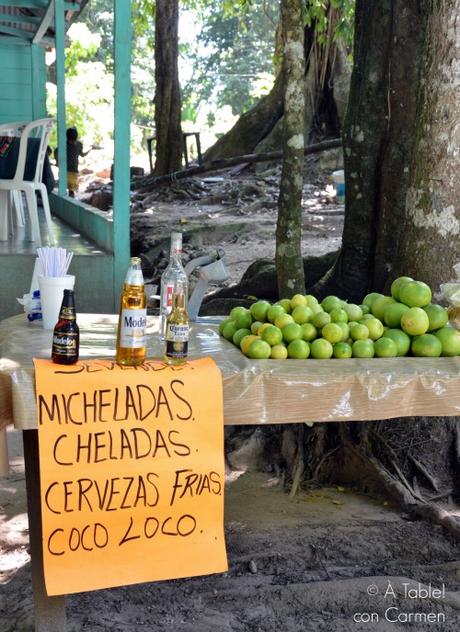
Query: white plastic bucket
(51, 293)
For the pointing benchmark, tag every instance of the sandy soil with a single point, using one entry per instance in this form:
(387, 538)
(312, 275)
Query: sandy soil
(327, 561)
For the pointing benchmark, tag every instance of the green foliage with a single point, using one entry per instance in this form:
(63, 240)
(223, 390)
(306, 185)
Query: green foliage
(233, 55)
(318, 13)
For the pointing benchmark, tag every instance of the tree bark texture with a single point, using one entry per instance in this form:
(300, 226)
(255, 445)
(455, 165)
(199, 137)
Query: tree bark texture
(401, 146)
(288, 255)
(168, 131)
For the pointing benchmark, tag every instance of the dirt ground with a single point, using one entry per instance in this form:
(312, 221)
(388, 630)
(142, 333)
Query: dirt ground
(235, 211)
(329, 560)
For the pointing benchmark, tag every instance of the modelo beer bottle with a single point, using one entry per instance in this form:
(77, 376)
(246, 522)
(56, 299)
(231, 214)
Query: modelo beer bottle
(177, 329)
(66, 335)
(173, 274)
(132, 322)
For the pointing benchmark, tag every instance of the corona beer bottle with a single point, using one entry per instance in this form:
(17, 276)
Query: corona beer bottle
(177, 329)
(172, 275)
(132, 322)
(66, 335)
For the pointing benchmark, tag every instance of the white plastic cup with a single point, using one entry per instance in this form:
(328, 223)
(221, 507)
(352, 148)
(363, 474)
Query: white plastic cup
(51, 294)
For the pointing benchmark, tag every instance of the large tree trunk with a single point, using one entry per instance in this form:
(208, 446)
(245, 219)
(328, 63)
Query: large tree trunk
(167, 96)
(289, 264)
(260, 129)
(252, 127)
(400, 144)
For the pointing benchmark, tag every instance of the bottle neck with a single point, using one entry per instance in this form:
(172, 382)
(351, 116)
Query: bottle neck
(175, 252)
(134, 276)
(68, 308)
(178, 301)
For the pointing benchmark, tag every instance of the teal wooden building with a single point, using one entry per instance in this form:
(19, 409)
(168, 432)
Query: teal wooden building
(100, 241)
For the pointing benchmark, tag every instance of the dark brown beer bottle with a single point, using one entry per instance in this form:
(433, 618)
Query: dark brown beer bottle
(66, 336)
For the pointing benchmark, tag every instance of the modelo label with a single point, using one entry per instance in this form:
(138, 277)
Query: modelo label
(133, 326)
(65, 344)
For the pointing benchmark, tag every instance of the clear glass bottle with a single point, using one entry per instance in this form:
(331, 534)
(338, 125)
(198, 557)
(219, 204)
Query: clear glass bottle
(174, 274)
(132, 322)
(177, 328)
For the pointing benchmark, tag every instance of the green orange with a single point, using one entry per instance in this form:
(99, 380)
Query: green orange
(298, 349)
(393, 312)
(229, 330)
(320, 319)
(282, 320)
(279, 352)
(298, 299)
(239, 335)
(342, 350)
(246, 342)
(272, 335)
(369, 299)
(380, 305)
(259, 350)
(426, 346)
(291, 332)
(397, 285)
(400, 338)
(415, 294)
(385, 348)
(415, 321)
(286, 303)
(332, 332)
(363, 348)
(273, 311)
(309, 332)
(437, 315)
(450, 341)
(259, 310)
(321, 349)
(331, 302)
(302, 314)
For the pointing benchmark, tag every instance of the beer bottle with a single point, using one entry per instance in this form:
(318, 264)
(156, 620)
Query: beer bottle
(173, 274)
(66, 335)
(177, 329)
(132, 322)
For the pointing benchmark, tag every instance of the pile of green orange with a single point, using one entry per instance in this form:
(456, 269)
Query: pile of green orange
(405, 323)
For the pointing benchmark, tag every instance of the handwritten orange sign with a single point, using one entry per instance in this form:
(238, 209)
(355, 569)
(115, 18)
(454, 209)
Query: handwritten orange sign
(131, 472)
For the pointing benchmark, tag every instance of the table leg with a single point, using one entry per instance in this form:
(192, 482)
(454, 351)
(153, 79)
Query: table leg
(4, 462)
(50, 613)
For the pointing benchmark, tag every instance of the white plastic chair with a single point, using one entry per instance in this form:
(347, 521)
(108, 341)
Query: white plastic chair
(12, 199)
(41, 129)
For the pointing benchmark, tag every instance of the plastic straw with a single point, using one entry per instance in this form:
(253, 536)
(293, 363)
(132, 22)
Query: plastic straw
(54, 261)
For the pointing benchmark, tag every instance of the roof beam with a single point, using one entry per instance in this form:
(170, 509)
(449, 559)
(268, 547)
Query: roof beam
(25, 4)
(17, 32)
(19, 19)
(44, 24)
(38, 4)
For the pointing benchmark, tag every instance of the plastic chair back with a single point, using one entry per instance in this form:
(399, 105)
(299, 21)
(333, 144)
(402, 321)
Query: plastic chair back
(39, 129)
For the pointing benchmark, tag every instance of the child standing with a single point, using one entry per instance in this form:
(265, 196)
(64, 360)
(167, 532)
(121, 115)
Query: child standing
(74, 151)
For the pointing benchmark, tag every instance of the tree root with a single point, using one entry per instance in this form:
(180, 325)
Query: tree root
(299, 465)
(402, 494)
